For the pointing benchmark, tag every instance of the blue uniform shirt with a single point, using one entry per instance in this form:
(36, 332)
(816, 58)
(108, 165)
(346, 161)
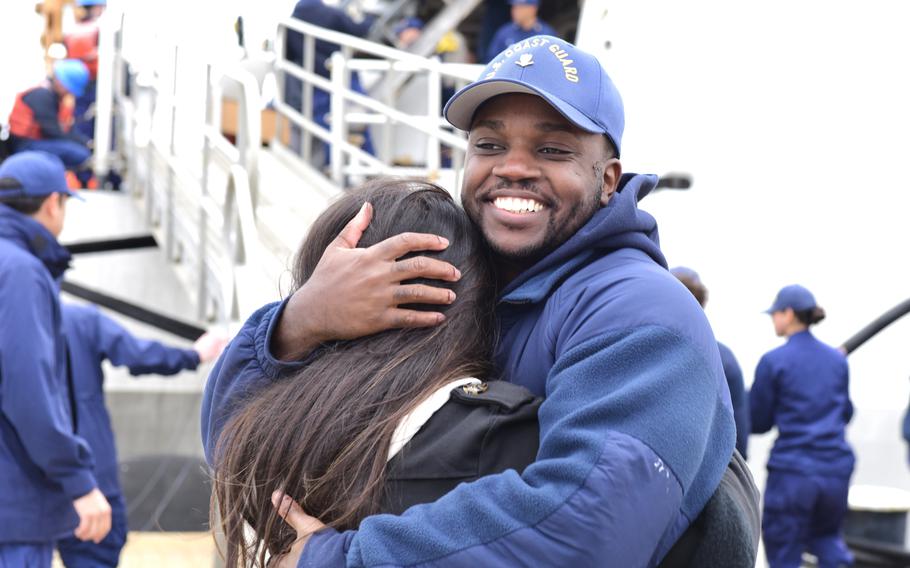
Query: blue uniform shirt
(513, 33)
(802, 388)
(738, 397)
(44, 466)
(93, 337)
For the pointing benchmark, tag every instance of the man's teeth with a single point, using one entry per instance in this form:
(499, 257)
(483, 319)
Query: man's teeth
(517, 204)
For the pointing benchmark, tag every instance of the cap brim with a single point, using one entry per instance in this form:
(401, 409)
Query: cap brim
(72, 194)
(461, 107)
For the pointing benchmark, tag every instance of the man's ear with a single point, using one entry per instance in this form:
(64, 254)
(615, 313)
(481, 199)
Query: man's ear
(612, 174)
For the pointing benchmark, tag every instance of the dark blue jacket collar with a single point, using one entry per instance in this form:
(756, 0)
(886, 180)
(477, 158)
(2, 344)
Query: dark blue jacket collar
(621, 224)
(33, 237)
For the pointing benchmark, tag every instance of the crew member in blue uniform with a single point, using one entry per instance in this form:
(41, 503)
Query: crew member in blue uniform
(802, 388)
(524, 24)
(636, 428)
(48, 489)
(42, 117)
(317, 12)
(738, 396)
(93, 338)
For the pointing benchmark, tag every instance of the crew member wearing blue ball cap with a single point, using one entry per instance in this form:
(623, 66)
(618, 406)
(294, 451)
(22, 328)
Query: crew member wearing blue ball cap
(42, 117)
(48, 488)
(524, 24)
(636, 429)
(802, 388)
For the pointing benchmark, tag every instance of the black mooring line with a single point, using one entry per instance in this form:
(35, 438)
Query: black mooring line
(876, 326)
(130, 310)
(107, 245)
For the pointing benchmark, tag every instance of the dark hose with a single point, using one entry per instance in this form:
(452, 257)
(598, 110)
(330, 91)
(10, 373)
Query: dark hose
(876, 326)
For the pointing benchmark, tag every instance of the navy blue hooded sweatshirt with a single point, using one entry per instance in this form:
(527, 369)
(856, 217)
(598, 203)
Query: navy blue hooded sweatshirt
(802, 387)
(93, 337)
(635, 432)
(44, 466)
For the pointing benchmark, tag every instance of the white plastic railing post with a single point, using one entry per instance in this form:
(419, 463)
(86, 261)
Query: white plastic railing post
(337, 128)
(434, 103)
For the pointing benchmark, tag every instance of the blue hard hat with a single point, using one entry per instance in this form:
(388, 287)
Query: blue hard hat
(794, 296)
(72, 74)
(33, 174)
(569, 79)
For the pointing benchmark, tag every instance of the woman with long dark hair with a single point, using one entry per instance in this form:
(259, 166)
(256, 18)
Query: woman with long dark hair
(379, 423)
(802, 388)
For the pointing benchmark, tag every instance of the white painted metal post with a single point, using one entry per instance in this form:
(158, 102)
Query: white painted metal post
(337, 128)
(170, 239)
(309, 63)
(104, 94)
(434, 104)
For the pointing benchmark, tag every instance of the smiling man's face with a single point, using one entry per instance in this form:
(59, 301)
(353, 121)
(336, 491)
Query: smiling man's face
(532, 178)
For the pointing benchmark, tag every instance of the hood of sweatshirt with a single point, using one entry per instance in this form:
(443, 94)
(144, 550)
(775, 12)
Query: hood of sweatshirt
(33, 237)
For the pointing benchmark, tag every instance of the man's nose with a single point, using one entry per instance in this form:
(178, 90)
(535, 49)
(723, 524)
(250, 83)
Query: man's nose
(517, 164)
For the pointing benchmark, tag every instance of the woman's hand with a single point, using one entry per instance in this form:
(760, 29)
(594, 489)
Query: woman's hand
(305, 525)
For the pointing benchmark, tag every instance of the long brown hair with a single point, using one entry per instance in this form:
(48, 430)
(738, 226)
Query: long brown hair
(322, 435)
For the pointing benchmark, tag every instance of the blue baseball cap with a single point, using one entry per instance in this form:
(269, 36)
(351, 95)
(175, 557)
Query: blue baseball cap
(524, 2)
(72, 74)
(407, 23)
(794, 296)
(571, 80)
(33, 174)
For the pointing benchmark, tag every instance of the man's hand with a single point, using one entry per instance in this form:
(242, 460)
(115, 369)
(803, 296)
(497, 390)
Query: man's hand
(354, 292)
(305, 525)
(94, 516)
(210, 345)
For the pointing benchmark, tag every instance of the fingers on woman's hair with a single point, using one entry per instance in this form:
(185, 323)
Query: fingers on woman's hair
(350, 235)
(396, 247)
(425, 267)
(399, 318)
(422, 294)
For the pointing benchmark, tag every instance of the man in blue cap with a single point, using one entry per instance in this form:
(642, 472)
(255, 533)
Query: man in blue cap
(93, 338)
(42, 117)
(636, 429)
(49, 491)
(524, 25)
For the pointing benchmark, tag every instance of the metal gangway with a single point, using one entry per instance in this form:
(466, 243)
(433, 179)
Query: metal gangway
(229, 212)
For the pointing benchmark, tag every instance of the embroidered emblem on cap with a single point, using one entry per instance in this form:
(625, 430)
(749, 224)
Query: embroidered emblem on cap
(525, 60)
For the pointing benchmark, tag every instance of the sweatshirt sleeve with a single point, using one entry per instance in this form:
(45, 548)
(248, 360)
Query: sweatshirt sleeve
(762, 398)
(140, 356)
(245, 366)
(630, 419)
(31, 397)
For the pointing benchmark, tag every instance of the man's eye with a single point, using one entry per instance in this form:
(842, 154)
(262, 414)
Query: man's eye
(487, 146)
(551, 150)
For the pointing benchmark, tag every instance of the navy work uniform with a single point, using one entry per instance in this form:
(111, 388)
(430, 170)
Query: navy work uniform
(802, 388)
(512, 33)
(44, 465)
(92, 338)
(318, 13)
